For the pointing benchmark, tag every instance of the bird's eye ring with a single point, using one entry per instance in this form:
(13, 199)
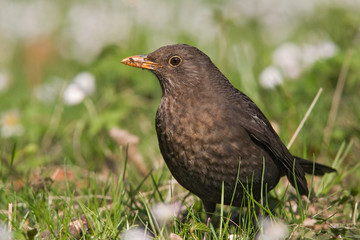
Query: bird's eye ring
(175, 61)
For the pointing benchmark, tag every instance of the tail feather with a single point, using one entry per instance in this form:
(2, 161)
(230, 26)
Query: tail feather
(311, 167)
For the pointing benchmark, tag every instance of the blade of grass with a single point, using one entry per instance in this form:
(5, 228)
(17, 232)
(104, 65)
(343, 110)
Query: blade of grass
(300, 205)
(156, 187)
(221, 210)
(232, 198)
(125, 163)
(154, 225)
(12, 156)
(307, 114)
(329, 181)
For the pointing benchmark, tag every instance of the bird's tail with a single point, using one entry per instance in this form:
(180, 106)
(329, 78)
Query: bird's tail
(311, 167)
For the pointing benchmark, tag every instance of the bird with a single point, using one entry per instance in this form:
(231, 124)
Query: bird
(214, 139)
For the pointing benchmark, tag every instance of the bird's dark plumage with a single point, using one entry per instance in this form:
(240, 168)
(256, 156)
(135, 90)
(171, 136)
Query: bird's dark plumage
(209, 132)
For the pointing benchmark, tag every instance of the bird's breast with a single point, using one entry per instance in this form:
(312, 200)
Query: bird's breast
(204, 146)
(191, 140)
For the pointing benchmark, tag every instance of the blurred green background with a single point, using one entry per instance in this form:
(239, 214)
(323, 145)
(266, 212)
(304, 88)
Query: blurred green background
(62, 87)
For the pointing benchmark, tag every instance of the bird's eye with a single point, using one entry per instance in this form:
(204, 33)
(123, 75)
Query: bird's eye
(175, 60)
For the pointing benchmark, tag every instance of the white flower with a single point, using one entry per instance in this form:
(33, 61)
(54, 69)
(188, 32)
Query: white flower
(315, 52)
(270, 77)
(73, 94)
(10, 124)
(86, 81)
(82, 85)
(233, 236)
(135, 234)
(288, 57)
(164, 212)
(4, 81)
(327, 49)
(292, 59)
(272, 230)
(5, 234)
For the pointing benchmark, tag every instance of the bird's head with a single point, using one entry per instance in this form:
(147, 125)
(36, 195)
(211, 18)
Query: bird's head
(178, 67)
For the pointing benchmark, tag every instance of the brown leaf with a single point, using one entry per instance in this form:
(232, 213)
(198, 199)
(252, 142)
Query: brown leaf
(80, 226)
(173, 236)
(309, 222)
(129, 142)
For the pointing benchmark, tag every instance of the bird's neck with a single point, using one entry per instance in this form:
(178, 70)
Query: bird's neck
(213, 88)
(190, 96)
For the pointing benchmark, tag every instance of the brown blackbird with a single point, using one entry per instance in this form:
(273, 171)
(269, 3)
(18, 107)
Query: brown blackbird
(211, 134)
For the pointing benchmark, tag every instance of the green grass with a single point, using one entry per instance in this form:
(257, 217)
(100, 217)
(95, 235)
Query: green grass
(65, 169)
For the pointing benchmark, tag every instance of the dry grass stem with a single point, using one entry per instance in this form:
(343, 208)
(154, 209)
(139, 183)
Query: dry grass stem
(336, 101)
(304, 119)
(10, 212)
(354, 213)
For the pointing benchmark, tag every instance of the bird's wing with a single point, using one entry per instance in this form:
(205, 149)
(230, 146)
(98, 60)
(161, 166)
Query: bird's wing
(260, 130)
